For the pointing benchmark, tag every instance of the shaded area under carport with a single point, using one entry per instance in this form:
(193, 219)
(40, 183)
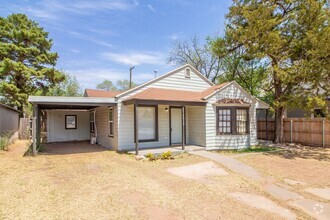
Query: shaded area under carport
(72, 147)
(57, 102)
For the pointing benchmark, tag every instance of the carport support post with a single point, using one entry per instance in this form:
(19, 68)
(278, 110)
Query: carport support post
(183, 110)
(34, 130)
(136, 129)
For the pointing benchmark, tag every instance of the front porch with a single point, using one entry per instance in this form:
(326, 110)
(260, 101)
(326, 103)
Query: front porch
(174, 149)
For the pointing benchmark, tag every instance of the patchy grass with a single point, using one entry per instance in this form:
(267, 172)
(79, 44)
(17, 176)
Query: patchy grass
(252, 149)
(306, 164)
(80, 181)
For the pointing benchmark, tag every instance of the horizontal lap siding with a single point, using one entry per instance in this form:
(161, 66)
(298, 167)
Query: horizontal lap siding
(214, 141)
(56, 131)
(126, 112)
(103, 129)
(126, 128)
(196, 125)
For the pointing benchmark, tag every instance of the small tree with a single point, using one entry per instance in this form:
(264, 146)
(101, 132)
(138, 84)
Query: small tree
(106, 85)
(69, 87)
(26, 61)
(123, 85)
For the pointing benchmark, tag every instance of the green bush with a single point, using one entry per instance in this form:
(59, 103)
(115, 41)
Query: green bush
(151, 157)
(5, 140)
(166, 155)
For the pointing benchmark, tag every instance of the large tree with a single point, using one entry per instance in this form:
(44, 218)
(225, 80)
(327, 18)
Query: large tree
(293, 37)
(199, 55)
(106, 85)
(26, 61)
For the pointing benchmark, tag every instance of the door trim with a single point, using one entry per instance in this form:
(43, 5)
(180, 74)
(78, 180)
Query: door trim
(184, 126)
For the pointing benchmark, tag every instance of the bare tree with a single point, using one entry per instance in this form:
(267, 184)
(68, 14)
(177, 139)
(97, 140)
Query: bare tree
(200, 56)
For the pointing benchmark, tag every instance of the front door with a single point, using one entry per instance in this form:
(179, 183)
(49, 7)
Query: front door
(176, 125)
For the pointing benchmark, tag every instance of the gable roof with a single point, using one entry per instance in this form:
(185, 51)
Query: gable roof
(213, 89)
(164, 76)
(100, 93)
(157, 94)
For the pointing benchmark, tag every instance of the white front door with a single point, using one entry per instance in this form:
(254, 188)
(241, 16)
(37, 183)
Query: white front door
(176, 126)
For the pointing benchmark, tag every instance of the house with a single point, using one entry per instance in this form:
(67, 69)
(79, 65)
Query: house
(9, 121)
(181, 107)
(317, 112)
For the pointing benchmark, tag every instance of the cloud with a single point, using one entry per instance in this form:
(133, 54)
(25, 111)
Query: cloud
(74, 51)
(151, 8)
(84, 76)
(90, 38)
(174, 37)
(135, 58)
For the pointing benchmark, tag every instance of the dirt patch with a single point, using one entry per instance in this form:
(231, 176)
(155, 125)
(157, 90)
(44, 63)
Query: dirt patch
(201, 171)
(107, 185)
(305, 168)
(263, 203)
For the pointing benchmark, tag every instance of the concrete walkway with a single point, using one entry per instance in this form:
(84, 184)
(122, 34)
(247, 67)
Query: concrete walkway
(313, 208)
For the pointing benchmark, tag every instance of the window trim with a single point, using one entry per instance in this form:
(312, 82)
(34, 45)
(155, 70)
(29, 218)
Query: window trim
(156, 139)
(75, 120)
(233, 119)
(111, 121)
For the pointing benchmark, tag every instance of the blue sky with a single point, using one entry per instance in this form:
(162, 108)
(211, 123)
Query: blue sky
(100, 39)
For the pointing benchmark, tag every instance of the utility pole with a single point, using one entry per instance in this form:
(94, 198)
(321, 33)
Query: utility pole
(155, 72)
(130, 76)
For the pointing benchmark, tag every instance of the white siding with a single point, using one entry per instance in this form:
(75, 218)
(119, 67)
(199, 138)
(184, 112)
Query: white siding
(103, 129)
(126, 112)
(214, 141)
(56, 131)
(126, 128)
(196, 125)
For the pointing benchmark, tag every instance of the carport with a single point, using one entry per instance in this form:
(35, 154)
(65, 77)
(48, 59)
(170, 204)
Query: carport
(56, 103)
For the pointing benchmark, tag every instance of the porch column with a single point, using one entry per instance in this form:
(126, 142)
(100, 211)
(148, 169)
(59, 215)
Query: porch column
(136, 129)
(183, 109)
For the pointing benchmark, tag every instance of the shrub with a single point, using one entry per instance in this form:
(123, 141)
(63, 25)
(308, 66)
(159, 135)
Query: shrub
(151, 157)
(5, 140)
(166, 155)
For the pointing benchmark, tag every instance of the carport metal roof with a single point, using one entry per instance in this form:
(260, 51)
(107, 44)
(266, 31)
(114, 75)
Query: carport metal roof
(61, 102)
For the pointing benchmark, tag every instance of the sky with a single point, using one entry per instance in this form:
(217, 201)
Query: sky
(101, 39)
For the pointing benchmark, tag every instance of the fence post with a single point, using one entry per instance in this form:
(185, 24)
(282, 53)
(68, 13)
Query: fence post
(291, 130)
(323, 132)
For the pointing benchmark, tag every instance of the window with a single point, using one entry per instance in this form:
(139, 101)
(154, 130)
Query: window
(111, 121)
(224, 121)
(241, 121)
(187, 73)
(232, 120)
(91, 121)
(147, 123)
(71, 122)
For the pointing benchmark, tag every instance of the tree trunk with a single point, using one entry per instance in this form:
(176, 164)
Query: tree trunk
(21, 109)
(279, 116)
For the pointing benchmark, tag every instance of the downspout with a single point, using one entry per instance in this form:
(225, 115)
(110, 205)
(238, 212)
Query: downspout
(95, 127)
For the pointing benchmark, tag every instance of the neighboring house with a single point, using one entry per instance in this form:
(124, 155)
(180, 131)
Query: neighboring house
(316, 113)
(9, 120)
(181, 107)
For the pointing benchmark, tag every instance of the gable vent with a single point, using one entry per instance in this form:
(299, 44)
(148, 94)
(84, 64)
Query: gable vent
(187, 73)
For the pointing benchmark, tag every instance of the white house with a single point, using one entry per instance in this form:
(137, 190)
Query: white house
(181, 107)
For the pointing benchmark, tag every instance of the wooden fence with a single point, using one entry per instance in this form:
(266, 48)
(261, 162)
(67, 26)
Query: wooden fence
(312, 132)
(24, 128)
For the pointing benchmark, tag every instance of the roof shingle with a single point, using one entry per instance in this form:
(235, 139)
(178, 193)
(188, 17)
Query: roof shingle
(100, 93)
